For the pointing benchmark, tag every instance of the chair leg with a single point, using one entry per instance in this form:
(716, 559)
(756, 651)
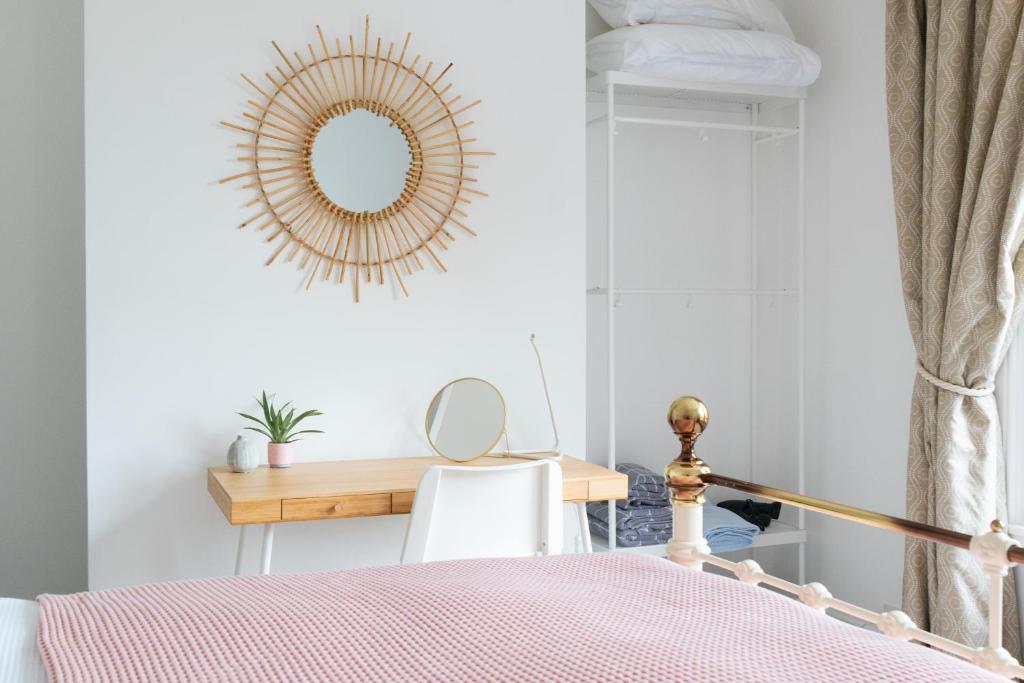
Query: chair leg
(241, 550)
(268, 548)
(581, 516)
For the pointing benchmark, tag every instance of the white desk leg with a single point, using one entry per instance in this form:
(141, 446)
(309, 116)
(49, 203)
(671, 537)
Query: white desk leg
(581, 515)
(268, 548)
(241, 550)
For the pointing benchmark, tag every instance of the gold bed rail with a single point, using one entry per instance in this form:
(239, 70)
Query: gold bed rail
(878, 520)
(688, 477)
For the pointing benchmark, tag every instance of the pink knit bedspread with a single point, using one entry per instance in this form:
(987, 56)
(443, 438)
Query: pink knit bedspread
(606, 617)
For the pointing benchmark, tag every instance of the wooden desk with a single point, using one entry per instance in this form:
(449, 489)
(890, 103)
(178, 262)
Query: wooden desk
(363, 488)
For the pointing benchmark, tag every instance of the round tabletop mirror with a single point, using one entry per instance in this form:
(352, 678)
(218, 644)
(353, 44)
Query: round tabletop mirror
(466, 419)
(360, 160)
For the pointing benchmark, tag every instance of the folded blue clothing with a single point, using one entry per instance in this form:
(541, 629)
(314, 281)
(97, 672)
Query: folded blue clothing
(723, 530)
(645, 487)
(726, 531)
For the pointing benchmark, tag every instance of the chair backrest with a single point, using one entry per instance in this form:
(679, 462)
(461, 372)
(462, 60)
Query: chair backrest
(462, 512)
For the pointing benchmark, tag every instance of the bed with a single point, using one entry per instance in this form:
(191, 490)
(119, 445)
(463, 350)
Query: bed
(597, 617)
(586, 617)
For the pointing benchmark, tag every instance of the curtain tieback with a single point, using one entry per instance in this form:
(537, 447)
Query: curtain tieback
(954, 388)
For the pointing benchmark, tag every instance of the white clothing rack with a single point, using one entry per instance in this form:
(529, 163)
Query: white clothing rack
(632, 89)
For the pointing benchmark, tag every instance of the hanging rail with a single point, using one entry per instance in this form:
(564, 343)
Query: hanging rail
(601, 291)
(710, 125)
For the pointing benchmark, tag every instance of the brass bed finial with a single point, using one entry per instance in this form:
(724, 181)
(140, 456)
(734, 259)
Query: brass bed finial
(688, 417)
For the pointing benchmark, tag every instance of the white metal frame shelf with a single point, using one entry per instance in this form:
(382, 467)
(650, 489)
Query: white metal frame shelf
(670, 93)
(620, 88)
(603, 291)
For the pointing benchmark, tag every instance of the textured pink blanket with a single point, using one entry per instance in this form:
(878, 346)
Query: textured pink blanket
(607, 617)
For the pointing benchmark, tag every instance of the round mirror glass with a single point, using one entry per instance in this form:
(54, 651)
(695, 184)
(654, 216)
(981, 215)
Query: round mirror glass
(360, 160)
(466, 419)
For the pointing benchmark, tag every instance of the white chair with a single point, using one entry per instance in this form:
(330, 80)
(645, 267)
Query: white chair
(464, 512)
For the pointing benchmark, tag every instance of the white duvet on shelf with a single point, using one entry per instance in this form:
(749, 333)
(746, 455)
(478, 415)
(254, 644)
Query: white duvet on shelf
(749, 15)
(693, 53)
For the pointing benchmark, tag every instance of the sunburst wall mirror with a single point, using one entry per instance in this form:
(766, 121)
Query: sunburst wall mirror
(359, 159)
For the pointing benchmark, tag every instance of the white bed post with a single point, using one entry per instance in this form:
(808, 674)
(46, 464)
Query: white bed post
(688, 416)
(990, 549)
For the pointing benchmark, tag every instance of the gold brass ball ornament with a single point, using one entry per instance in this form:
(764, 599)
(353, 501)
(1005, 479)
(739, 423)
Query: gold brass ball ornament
(332, 78)
(688, 417)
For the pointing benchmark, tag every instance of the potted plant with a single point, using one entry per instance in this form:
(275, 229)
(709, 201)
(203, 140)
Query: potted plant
(279, 426)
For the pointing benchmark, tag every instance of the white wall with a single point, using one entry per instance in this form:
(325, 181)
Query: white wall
(42, 301)
(185, 324)
(860, 354)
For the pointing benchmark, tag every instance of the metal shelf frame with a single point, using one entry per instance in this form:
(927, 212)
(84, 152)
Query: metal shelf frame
(775, 535)
(664, 93)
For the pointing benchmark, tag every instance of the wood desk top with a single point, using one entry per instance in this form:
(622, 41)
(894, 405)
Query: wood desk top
(361, 488)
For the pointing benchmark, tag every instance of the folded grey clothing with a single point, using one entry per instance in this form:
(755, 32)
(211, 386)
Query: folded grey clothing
(642, 499)
(645, 487)
(723, 530)
(630, 538)
(645, 518)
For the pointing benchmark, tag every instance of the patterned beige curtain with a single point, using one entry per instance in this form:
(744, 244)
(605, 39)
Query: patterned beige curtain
(955, 89)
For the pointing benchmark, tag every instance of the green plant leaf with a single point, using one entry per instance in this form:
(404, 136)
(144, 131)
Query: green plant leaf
(265, 405)
(306, 431)
(275, 415)
(254, 419)
(257, 429)
(303, 416)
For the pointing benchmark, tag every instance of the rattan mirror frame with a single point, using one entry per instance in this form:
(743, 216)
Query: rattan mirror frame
(330, 240)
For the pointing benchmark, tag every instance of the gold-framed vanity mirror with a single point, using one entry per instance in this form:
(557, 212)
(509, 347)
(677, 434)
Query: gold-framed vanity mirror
(465, 419)
(360, 160)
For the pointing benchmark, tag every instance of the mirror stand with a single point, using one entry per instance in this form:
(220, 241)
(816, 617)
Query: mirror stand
(553, 453)
(525, 455)
(467, 419)
(530, 455)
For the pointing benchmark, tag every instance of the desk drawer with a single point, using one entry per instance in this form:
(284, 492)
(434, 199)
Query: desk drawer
(336, 507)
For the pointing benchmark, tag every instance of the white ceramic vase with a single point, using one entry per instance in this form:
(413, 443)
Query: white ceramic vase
(279, 454)
(243, 455)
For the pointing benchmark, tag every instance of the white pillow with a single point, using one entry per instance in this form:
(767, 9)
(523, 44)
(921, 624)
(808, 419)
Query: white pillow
(747, 15)
(19, 656)
(692, 53)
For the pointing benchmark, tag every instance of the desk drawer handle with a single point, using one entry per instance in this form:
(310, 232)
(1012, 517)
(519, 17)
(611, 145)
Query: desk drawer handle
(337, 507)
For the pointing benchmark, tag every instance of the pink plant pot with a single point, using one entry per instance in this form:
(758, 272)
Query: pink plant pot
(279, 454)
